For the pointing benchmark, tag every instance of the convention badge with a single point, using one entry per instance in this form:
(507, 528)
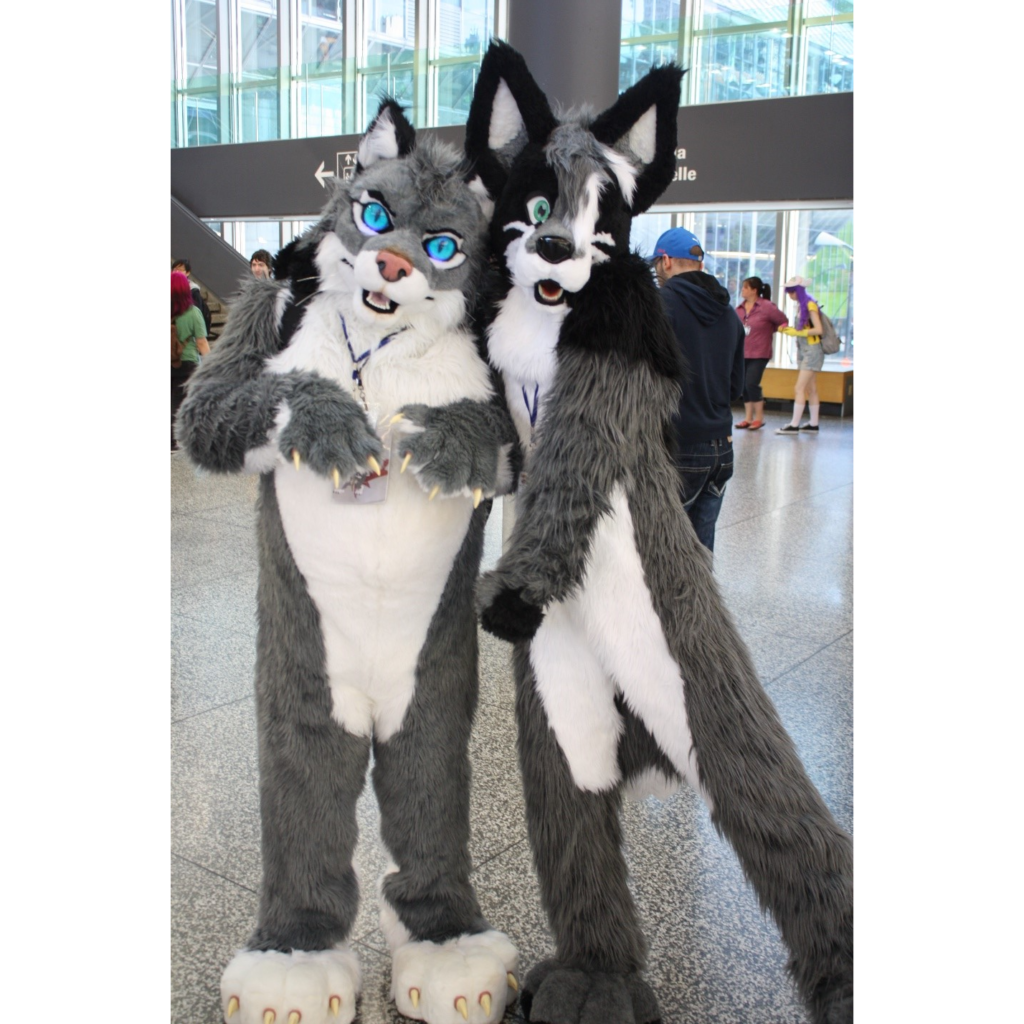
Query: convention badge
(371, 488)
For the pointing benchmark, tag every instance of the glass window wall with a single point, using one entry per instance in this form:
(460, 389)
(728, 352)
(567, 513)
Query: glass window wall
(319, 92)
(463, 30)
(252, 70)
(741, 49)
(256, 95)
(195, 58)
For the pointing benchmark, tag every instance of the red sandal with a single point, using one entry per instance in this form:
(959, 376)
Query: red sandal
(757, 425)
(743, 425)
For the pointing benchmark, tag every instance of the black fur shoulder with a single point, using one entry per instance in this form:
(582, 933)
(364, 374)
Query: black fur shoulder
(619, 310)
(294, 265)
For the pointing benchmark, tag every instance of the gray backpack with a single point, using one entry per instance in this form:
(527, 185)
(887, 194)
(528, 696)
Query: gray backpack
(830, 341)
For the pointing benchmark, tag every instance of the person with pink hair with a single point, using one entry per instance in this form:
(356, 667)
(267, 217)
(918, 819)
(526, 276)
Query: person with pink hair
(810, 357)
(190, 326)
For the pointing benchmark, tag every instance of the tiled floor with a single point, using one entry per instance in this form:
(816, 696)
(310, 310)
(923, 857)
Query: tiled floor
(784, 559)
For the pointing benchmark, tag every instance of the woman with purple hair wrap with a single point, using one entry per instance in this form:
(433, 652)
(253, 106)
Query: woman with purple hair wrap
(810, 357)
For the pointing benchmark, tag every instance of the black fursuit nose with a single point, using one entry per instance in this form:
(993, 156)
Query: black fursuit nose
(554, 249)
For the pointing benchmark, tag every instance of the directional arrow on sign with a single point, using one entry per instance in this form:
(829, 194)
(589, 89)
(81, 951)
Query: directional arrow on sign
(320, 174)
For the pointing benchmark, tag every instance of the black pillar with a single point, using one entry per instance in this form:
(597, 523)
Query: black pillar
(571, 47)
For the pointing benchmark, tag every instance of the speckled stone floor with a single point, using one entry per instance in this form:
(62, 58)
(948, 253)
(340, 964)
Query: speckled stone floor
(784, 559)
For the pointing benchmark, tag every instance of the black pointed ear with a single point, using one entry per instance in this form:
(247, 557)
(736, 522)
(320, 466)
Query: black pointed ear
(390, 135)
(641, 125)
(508, 111)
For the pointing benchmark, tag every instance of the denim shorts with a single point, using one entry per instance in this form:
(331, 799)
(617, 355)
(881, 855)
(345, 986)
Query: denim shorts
(808, 356)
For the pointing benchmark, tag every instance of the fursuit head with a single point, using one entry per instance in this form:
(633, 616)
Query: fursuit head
(354, 384)
(630, 673)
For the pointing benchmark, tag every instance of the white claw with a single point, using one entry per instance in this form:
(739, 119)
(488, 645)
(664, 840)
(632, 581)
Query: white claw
(414, 997)
(294, 1017)
(398, 416)
(336, 473)
(298, 463)
(477, 496)
(512, 983)
(335, 1005)
(405, 462)
(374, 465)
(433, 493)
(463, 1007)
(485, 1002)
(269, 1017)
(232, 1006)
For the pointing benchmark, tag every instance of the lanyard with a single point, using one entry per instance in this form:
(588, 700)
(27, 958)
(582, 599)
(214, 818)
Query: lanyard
(359, 362)
(532, 409)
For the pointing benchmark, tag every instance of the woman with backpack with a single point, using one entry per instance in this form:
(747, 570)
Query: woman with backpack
(188, 340)
(810, 357)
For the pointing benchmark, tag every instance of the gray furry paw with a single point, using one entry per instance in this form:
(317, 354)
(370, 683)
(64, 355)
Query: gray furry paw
(452, 449)
(328, 431)
(505, 612)
(554, 994)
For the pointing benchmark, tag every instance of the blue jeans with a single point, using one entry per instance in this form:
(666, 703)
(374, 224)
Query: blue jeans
(704, 469)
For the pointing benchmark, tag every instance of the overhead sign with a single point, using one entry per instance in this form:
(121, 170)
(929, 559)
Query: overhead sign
(758, 151)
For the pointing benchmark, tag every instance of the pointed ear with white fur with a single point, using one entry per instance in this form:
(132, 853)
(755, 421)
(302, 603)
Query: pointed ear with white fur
(483, 197)
(640, 129)
(508, 111)
(390, 135)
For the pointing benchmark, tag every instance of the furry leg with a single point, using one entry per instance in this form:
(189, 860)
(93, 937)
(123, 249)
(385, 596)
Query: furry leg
(443, 948)
(575, 837)
(311, 775)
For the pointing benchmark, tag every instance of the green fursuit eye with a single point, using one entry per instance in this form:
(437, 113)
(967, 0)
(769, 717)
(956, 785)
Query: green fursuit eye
(441, 248)
(539, 209)
(375, 217)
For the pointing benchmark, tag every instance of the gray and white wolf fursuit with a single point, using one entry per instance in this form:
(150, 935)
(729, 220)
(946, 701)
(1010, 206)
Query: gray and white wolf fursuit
(354, 385)
(628, 667)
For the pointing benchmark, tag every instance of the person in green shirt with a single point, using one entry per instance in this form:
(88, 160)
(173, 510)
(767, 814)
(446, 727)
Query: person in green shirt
(191, 331)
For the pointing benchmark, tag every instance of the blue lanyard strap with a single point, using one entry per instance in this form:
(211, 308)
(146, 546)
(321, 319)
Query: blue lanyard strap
(532, 409)
(360, 361)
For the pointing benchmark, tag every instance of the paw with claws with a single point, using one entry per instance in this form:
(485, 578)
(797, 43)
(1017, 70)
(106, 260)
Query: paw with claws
(291, 988)
(452, 449)
(469, 979)
(327, 430)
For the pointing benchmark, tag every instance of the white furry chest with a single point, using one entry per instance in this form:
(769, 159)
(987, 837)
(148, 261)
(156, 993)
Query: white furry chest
(376, 572)
(608, 639)
(522, 343)
(395, 368)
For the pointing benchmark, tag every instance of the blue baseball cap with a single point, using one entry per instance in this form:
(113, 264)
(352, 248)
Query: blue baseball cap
(678, 243)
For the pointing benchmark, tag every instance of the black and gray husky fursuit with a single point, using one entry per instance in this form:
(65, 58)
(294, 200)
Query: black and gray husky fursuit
(629, 669)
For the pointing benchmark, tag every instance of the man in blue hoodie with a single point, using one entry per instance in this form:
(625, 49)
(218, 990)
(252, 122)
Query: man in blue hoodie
(710, 337)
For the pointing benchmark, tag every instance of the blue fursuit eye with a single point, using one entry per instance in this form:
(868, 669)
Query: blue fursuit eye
(441, 248)
(376, 218)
